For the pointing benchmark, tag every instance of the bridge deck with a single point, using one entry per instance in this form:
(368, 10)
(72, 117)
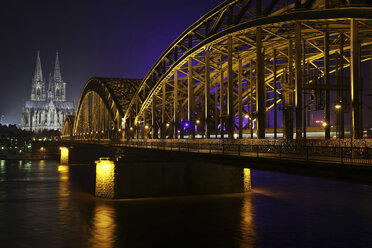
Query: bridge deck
(326, 153)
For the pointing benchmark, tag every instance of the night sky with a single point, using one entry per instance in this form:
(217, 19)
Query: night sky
(94, 38)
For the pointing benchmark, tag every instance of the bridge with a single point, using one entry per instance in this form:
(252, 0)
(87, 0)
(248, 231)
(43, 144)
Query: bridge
(249, 72)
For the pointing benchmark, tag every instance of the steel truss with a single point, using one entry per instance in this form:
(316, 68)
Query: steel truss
(229, 71)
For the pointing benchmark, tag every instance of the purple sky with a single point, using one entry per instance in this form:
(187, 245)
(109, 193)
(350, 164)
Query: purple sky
(114, 38)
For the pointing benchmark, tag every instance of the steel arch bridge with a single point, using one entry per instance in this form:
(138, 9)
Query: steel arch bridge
(245, 66)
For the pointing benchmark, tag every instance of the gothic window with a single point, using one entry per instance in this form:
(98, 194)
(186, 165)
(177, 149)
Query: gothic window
(57, 92)
(38, 92)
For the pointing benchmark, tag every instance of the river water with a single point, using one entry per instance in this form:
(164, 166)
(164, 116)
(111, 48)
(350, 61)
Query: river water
(40, 207)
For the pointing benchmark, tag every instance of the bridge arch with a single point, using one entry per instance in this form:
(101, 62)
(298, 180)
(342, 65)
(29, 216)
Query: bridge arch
(101, 107)
(67, 128)
(242, 62)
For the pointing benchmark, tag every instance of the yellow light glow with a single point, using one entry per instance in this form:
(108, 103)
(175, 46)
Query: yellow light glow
(197, 121)
(246, 116)
(324, 124)
(42, 149)
(64, 155)
(146, 127)
(131, 129)
(104, 225)
(102, 131)
(247, 179)
(167, 124)
(337, 106)
(105, 178)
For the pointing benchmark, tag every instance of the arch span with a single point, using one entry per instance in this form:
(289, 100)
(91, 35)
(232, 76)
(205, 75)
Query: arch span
(67, 128)
(101, 107)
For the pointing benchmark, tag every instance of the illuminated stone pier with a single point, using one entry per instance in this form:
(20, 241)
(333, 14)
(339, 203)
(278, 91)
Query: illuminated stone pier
(133, 180)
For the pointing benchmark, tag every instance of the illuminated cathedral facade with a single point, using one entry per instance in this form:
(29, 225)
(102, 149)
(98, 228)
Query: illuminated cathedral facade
(47, 107)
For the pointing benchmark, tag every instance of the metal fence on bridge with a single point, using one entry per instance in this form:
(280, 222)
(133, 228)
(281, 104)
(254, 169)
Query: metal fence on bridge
(337, 155)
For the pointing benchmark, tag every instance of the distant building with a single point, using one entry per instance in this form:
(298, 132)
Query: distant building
(47, 108)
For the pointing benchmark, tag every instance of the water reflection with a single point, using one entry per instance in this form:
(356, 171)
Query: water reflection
(103, 226)
(247, 179)
(2, 166)
(247, 227)
(63, 186)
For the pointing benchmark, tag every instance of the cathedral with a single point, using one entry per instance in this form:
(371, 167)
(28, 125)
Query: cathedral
(47, 108)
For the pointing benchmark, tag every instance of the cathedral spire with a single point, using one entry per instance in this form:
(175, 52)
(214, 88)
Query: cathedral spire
(38, 72)
(57, 70)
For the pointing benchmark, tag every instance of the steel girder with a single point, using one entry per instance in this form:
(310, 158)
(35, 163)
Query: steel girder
(228, 34)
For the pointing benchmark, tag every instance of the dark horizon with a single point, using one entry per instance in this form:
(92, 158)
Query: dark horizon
(117, 39)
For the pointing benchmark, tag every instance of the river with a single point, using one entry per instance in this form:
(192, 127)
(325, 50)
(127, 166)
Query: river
(40, 207)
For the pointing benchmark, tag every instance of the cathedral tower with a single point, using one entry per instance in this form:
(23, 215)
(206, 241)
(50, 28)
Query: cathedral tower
(38, 85)
(58, 84)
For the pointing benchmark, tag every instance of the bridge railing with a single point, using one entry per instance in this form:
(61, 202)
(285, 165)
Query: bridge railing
(337, 155)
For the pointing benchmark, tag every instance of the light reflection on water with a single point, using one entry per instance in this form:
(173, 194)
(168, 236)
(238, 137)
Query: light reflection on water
(42, 208)
(103, 230)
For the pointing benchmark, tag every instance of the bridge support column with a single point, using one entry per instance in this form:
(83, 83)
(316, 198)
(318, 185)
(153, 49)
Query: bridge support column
(175, 105)
(356, 115)
(215, 110)
(64, 155)
(191, 100)
(251, 105)
(298, 80)
(240, 99)
(327, 116)
(230, 90)
(163, 127)
(260, 86)
(287, 95)
(275, 97)
(153, 119)
(221, 101)
(207, 118)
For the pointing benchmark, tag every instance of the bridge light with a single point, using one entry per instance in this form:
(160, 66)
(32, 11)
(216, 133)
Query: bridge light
(102, 131)
(338, 106)
(119, 130)
(324, 124)
(96, 131)
(167, 125)
(131, 128)
(146, 127)
(178, 131)
(246, 116)
(197, 122)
